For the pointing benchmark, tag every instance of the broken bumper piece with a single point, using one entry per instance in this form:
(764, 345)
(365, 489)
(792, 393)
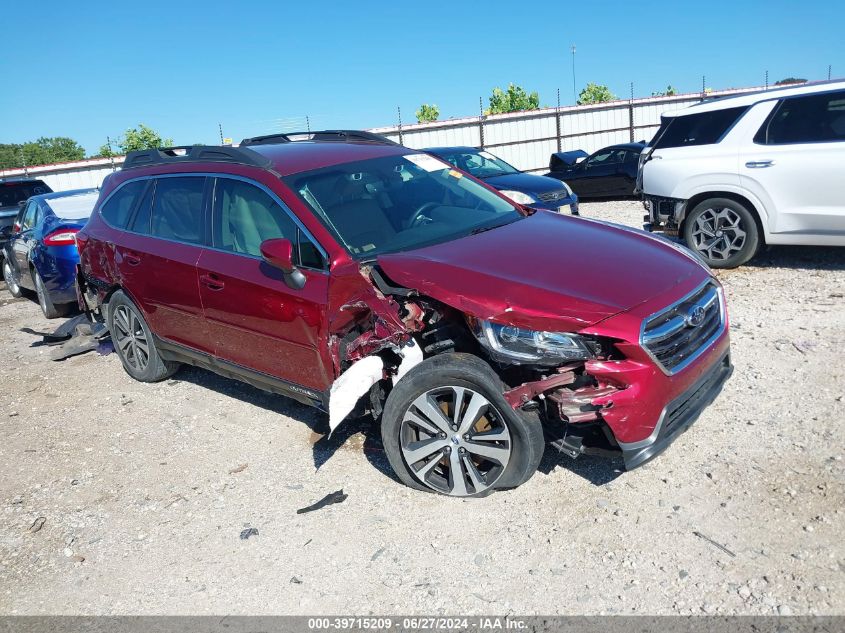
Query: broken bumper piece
(678, 415)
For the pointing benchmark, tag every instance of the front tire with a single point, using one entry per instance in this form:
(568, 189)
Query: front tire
(11, 283)
(722, 232)
(447, 428)
(134, 342)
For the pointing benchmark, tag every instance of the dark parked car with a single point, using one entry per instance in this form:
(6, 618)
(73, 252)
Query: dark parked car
(361, 275)
(13, 192)
(41, 252)
(528, 189)
(608, 173)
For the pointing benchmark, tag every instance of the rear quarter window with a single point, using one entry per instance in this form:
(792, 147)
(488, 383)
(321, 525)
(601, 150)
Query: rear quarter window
(818, 118)
(704, 128)
(118, 207)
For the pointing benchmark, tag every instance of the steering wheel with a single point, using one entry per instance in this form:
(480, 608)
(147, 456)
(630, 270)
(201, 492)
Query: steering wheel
(419, 218)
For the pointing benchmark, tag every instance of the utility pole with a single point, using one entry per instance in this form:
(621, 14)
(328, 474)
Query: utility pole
(111, 154)
(767, 80)
(574, 89)
(399, 113)
(829, 68)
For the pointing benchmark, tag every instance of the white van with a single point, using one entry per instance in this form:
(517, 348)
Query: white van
(732, 174)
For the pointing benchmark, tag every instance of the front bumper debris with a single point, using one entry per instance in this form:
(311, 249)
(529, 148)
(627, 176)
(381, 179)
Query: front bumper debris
(663, 213)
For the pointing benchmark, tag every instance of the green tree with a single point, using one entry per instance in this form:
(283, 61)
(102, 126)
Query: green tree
(136, 138)
(515, 99)
(595, 93)
(790, 80)
(43, 151)
(427, 113)
(669, 92)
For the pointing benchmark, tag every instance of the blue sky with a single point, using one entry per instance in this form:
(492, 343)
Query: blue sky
(87, 70)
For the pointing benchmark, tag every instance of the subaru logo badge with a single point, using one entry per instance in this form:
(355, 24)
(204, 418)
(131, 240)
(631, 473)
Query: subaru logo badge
(695, 317)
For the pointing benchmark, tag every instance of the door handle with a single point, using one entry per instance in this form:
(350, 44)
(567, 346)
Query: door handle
(131, 259)
(758, 164)
(212, 282)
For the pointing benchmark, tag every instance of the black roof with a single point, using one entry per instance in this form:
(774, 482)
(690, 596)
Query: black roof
(193, 154)
(20, 179)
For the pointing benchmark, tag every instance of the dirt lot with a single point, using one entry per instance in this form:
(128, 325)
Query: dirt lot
(145, 490)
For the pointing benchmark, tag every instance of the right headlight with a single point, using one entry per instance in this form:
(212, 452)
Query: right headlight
(518, 196)
(521, 345)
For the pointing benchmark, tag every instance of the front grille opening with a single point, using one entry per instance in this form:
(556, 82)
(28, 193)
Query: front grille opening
(680, 333)
(549, 196)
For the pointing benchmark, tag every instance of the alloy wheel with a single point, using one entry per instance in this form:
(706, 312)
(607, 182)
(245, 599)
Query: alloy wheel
(718, 233)
(130, 338)
(455, 441)
(9, 278)
(41, 292)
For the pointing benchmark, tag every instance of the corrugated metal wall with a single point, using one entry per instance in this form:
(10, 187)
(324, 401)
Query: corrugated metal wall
(64, 176)
(527, 139)
(524, 139)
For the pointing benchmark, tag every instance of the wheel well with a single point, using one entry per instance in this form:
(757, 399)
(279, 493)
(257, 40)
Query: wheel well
(700, 197)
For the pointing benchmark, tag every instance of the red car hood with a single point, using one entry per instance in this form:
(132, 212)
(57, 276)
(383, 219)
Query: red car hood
(547, 271)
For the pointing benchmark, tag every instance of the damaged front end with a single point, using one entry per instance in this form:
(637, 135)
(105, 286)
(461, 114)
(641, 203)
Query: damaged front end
(390, 329)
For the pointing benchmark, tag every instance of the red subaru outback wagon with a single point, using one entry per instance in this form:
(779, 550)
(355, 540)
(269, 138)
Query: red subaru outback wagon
(357, 275)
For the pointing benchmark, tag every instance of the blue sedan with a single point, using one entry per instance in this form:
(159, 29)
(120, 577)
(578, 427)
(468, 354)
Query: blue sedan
(530, 190)
(41, 253)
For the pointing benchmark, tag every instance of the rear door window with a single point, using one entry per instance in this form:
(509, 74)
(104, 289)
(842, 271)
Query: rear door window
(177, 209)
(119, 206)
(30, 215)
(143, 215)
(818, 118)
(704, 128)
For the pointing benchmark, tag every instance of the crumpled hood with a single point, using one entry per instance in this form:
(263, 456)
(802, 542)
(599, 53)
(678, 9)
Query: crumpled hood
(529, 183)
(546, 271)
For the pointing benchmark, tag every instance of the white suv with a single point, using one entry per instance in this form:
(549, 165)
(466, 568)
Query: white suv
(730, 174)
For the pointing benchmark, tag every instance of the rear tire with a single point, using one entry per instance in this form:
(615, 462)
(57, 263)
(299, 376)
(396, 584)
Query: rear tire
(722, 232)
(134, 342)
(449, 419)
(11, 283)
(50, 310)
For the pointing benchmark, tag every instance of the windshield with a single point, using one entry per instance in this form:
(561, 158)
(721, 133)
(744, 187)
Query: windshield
(398, 203)
(479, 163)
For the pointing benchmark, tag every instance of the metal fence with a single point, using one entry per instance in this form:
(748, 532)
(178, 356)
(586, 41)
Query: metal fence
(527, 139)
(524, 139)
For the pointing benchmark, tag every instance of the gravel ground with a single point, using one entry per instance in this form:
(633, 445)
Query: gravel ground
(145, 490)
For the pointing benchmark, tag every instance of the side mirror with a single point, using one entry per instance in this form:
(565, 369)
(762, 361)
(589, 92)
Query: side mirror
(279, 254)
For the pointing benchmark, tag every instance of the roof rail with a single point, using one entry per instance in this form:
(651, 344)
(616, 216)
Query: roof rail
(194, 154)
(334, 136)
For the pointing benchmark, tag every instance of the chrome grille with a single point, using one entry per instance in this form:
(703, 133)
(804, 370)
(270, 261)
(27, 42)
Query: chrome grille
(676, 336)
(551, 196)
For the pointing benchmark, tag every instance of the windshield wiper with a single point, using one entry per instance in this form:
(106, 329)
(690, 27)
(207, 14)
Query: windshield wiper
(481, 229)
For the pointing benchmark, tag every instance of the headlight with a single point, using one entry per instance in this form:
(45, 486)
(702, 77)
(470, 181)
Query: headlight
(519, 197)
(520, 345)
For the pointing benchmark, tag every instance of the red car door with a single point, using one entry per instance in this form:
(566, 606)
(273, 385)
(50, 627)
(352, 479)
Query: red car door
(256, 320)
(157, 258)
